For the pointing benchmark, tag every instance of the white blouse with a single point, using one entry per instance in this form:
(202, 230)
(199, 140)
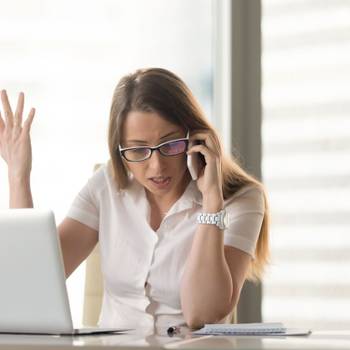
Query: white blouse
(142, 268)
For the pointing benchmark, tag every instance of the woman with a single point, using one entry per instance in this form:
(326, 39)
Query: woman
(168, 257)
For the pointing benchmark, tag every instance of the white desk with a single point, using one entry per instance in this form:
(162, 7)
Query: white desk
(138, 340)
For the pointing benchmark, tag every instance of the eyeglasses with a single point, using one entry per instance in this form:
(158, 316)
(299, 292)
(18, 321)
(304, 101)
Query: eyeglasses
(167, 149)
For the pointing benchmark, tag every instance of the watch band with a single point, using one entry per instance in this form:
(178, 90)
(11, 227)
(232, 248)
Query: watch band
(219, 219)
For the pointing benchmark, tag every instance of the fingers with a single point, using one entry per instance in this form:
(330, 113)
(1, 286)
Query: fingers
(208, 141)
(205, 151)
(14, 122)
(17, 119)
(28, 122)
(7, 108)
(2, 124)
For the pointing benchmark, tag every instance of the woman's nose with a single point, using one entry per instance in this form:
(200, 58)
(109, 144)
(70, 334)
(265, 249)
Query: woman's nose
(156, 161)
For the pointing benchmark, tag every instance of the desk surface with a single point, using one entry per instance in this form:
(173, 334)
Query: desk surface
(140, 340)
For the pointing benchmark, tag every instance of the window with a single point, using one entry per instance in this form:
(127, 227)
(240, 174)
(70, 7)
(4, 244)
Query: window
(306, 162)
(67, 56)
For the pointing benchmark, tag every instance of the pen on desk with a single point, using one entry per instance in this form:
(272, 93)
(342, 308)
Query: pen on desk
(173, 330)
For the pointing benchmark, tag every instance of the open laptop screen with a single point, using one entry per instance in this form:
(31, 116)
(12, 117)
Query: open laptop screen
(33, 296)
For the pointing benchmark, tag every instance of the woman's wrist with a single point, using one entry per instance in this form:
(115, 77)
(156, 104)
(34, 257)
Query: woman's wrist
(20, 191)
(213, 203)
(19, 181)
(21, 196)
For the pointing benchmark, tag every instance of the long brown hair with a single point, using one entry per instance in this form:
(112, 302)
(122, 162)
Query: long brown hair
(161, 91)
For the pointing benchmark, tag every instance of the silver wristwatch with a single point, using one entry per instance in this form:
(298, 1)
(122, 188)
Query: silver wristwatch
(219, 219)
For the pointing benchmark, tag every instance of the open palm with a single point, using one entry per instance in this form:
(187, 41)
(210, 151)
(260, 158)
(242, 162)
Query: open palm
(15, 145)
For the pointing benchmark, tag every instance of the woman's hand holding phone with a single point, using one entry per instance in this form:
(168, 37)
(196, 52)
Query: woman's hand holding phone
(209, 174)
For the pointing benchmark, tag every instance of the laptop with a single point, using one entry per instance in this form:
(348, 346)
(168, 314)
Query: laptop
(33, 294)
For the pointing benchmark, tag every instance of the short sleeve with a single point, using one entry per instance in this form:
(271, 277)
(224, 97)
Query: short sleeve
(246, 212)
(85, 208)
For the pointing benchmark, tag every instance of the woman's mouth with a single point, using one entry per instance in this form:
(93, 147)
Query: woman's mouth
(161, 181)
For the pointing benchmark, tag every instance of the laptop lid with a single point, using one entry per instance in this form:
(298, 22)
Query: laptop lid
(33, 294)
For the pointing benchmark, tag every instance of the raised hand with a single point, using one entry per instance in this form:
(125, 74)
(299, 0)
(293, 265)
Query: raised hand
(15, 145)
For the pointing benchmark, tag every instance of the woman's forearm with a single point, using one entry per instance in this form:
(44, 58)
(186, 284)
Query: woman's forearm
(20, 193)
(207, 288)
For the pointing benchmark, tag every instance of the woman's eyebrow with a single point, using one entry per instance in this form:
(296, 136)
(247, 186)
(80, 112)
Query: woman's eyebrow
(170, 133)
(145, 142)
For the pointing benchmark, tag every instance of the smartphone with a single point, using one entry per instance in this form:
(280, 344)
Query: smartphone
(193, 163)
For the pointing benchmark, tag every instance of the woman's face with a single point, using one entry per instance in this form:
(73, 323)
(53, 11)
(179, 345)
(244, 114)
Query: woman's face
(159, 174)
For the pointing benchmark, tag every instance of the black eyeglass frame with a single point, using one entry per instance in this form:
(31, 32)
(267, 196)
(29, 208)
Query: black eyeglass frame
(155, 148)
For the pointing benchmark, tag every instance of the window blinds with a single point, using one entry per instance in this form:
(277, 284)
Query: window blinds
(306, 161)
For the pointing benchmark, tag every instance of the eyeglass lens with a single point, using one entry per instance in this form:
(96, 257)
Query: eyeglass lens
(173, 148)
